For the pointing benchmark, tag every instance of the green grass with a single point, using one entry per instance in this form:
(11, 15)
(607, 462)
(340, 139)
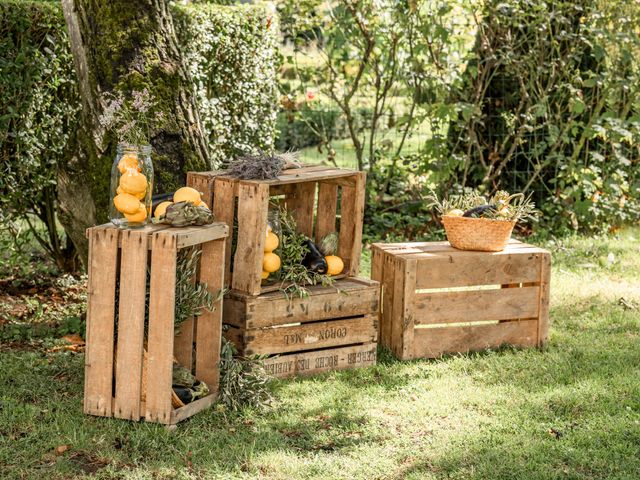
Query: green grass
(571, 411)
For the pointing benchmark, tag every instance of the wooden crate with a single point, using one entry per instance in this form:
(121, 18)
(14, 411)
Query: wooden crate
(115, 358)
(316, 195)
(436, 299)
(332, 329)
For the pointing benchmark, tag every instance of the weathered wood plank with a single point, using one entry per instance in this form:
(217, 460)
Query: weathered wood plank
(545, 275)
(327, 210)
(476, 305)
(103, 247)
(204, 183)
(309, 336)
(388, 300)
(224, 210)
(301, 206)
(161, 325)
(209, 331)
(255, 312)
(435, 342)
(398, 332)
(131, 307)
(442, 270)
(253, 206)
(188, 236)
(192, 408)
(351, 219)
(312, 363)
(408, 315)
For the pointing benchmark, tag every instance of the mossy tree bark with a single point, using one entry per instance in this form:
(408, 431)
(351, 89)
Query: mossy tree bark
(122, 46)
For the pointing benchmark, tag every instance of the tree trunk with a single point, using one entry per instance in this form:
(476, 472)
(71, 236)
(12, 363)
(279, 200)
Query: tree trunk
(122, 46)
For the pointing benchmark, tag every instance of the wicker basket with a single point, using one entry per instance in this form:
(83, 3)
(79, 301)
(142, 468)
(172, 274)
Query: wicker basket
(481, 234)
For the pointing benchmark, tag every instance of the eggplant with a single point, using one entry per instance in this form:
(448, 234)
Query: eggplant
(158, 199)
(477, 212)
(183, 393)
(314, 260)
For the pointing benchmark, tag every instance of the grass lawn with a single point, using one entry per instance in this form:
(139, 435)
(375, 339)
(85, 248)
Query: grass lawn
(571, 411)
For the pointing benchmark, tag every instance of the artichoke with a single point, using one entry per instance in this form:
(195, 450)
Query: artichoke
(183, 214)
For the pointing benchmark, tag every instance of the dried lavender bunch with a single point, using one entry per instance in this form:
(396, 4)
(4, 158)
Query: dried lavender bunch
(262, 166)
(132, 120)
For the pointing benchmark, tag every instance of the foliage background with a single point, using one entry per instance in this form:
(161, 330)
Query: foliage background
(231, 52)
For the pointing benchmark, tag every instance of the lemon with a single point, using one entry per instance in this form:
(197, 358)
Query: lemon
(271, 242)
(161, 209)
(271, 262)
(129, 161)
(133, 182)
(187, 194)
(139, 215)
(335, 265)
(264, 275)
(456, 212)
(126, 203)
(139, 196)
(202, 204)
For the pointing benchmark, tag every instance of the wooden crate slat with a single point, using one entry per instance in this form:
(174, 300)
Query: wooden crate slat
(351, 218)
(327, 209)
(313, 176)
(161, 320)
(498, 304)
(131, 306)
(188, 236)
(545, 275)
(100, 321)
(397, 308)
(301, 206)
(203, 182)
(224, 207)
(408, 305)
(253, 207)
(323, 303)
(435, 342)
(309, 336)
(311, 363)
(191, 409)
(209, 324)
(183, 343)
(387, 288)
(443, 270)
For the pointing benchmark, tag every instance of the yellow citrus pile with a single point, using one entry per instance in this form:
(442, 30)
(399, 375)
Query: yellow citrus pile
(184, 194)
(131, 189)
(271, 262)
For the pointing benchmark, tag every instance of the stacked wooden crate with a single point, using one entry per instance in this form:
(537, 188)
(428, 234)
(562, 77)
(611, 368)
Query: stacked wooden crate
(334, 327)
(128, 369)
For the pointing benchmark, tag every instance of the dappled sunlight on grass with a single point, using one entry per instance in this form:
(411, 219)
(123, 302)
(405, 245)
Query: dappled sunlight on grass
(571, 410)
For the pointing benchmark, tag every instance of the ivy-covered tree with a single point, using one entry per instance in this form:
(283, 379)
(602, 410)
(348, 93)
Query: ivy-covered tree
(119, 47)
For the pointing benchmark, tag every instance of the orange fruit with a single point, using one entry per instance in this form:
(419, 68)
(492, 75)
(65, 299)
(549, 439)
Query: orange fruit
(271, 242)
(126, 203)
(335, 265)
(129, 161)
(133, 182)
(139, 216)
(187, 194)
(271, 262)
(161, 209)
(139, 196)
(264, 275)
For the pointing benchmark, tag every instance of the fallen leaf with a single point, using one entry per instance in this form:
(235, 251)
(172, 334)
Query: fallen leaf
(60, 449)
(74, 339)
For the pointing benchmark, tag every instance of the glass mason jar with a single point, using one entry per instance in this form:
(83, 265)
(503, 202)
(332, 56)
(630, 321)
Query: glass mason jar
(131, 186)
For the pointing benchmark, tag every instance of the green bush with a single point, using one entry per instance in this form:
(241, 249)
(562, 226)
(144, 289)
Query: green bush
(230, 51)
(560, 113)
(232, 54)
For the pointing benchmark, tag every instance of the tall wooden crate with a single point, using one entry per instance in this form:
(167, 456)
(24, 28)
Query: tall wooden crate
(115, 359)
(321, 199)
(334, 328)
(437, 299)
